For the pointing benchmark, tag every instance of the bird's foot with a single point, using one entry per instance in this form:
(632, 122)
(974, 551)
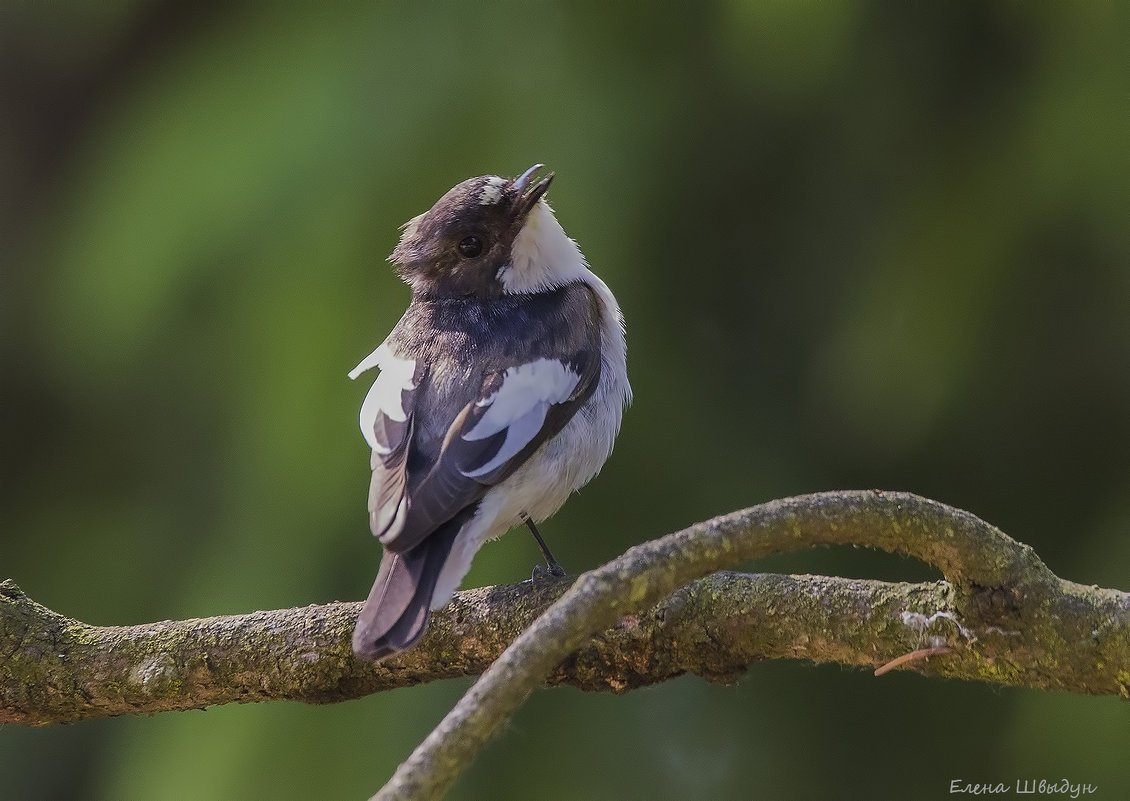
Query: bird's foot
(552, 568)
(546, 572)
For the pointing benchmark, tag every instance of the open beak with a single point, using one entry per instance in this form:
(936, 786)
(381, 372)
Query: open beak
(530, 195)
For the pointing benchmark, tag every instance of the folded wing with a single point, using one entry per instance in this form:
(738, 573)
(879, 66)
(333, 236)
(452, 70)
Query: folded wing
(514, 411)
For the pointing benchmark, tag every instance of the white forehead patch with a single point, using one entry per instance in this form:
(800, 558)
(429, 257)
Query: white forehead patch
(492, 192)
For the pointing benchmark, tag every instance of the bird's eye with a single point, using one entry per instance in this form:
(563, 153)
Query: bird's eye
(470, 247)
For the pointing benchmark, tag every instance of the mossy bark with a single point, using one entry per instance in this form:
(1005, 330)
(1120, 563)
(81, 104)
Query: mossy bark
(996, 590)
(999, 613)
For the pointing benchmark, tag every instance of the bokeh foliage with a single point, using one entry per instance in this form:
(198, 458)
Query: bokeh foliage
(859, 244)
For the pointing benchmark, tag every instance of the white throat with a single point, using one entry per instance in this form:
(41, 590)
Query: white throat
(542, 256)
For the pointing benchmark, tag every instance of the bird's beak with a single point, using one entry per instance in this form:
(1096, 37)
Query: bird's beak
(528, 195)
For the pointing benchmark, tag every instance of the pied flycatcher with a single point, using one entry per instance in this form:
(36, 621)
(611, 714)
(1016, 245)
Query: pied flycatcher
(500, 393)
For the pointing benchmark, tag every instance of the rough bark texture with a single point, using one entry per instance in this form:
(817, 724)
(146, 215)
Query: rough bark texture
(1004, 616)
(1038, 628)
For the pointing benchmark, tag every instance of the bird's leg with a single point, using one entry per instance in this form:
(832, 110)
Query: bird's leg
(553, 567)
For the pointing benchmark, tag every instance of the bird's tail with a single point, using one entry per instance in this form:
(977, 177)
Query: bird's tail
(395, 615)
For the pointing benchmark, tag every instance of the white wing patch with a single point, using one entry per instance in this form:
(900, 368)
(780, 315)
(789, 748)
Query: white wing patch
(520, 405)
(385, 395)
(369, 362)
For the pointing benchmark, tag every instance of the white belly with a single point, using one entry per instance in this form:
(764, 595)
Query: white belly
(538, 488)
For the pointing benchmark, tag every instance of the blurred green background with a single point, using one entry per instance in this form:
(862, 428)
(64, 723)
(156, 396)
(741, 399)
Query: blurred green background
(858, 245)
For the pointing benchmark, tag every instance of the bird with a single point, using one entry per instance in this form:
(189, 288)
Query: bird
(501, 391)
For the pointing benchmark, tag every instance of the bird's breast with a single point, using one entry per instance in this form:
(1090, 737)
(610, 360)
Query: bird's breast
(565, 463)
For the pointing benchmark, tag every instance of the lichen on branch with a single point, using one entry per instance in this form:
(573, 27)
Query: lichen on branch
(658, 611)
(997, 582)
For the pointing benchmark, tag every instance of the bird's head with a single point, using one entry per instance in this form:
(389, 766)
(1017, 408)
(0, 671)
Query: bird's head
(487, 237)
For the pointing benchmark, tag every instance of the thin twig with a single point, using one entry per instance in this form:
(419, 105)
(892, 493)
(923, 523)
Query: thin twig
(913, 656)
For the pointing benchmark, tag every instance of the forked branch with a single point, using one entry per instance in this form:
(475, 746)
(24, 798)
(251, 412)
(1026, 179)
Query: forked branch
(1015, 620)
(1000, 615)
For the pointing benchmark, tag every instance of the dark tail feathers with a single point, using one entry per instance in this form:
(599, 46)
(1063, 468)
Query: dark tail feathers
(395, 615)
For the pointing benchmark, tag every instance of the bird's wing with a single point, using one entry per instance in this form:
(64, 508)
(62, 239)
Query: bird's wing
(514, 411)
(387, 423)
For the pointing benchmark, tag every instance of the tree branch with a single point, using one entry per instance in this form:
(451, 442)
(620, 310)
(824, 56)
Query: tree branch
(1000, 585)
(1001, 613)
